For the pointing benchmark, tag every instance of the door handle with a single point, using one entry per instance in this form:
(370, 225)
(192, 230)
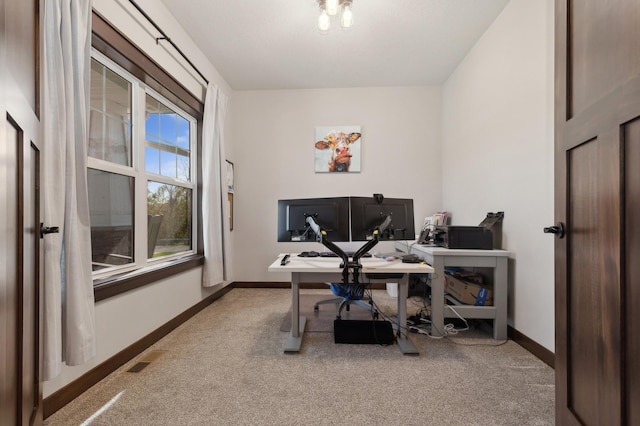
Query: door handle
(48, 230)
(557, 229)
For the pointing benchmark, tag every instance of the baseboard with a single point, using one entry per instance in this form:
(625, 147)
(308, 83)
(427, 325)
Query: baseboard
(535, 348)
(63, 396)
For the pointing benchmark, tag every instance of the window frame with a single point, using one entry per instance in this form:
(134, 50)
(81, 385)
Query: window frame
(115, 48)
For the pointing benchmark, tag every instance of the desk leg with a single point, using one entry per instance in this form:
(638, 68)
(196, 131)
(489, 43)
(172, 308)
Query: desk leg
(404, 342)
(437, 297)
(500, 298)
(294, 339)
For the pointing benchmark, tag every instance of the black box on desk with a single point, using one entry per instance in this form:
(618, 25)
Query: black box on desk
(464, 237)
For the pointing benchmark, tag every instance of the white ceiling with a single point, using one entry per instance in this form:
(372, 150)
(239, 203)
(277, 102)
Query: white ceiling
(275, 44)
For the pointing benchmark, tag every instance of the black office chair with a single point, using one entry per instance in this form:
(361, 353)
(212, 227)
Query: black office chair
(348, 294)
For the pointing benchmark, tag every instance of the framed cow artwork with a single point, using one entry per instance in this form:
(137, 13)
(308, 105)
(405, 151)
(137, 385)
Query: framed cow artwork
(338, 149)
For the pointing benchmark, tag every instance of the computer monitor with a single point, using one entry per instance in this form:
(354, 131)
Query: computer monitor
(332, 214)
(367, 213)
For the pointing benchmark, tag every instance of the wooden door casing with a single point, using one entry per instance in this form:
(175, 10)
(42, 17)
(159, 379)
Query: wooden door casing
(631, 294)
(20, 248)
(597, 155)
(9, 278)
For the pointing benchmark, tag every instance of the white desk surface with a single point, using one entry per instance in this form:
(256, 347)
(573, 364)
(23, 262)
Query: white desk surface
(332, 264)
(443, 251)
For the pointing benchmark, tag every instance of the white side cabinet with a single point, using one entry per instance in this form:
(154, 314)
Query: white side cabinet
(440, 258)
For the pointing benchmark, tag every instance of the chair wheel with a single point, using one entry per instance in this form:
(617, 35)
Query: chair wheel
(316, 308)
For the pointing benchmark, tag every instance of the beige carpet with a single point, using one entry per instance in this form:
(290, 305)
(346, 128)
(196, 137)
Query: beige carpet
(322, 320)
(226, 366)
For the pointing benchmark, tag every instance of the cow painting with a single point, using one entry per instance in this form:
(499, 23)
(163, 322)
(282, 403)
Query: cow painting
(337, 144)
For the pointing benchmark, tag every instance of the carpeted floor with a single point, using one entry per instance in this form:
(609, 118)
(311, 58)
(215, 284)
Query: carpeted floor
(226, 366)
(321, 321)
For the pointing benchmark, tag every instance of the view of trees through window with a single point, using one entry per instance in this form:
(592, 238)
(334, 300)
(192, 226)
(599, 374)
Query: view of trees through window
(167, 153)
(125, 164)
(173, 205)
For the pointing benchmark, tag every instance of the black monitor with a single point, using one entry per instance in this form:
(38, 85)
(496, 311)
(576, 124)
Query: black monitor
(368, 213)
(332, 214)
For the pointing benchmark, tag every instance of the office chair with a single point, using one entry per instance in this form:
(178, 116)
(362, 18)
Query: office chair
(348, 294)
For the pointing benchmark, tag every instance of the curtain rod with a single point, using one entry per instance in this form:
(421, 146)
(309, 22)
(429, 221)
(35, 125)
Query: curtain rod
(165, 37)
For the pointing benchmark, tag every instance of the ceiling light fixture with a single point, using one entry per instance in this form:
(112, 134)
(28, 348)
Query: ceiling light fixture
(329, 9)
(332, 7)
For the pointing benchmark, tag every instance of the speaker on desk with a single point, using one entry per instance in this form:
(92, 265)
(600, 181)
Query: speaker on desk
(363, 332)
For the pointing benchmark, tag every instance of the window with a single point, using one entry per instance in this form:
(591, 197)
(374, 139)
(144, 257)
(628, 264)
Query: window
(141, 173)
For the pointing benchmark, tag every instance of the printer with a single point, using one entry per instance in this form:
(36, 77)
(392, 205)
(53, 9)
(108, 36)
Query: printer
(463, 237)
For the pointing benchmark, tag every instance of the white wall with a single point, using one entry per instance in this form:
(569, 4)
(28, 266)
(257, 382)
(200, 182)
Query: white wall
(274, 159)
(126, 318)
(483, 142)
(498, 152)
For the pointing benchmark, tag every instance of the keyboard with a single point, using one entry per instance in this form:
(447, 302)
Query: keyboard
(328, 254)
(348, 253)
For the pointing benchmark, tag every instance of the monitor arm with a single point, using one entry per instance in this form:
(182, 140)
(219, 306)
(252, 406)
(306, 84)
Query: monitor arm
(379, 230)
(354, 264)
(321, 235)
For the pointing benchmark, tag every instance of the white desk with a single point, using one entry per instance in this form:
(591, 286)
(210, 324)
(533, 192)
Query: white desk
(322, 269)
(439, 258)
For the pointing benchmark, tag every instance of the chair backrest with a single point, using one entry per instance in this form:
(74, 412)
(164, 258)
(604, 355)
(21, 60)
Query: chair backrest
(348, 291)
(153, 227)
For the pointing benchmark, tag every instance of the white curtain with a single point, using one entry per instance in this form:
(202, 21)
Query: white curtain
(215, 205)
(69, 322)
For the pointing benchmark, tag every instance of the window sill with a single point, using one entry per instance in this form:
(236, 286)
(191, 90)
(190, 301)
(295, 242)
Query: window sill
(107, 287)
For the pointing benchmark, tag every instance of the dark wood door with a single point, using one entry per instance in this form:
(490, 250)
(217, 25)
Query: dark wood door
(597, 177)
(20, 285)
